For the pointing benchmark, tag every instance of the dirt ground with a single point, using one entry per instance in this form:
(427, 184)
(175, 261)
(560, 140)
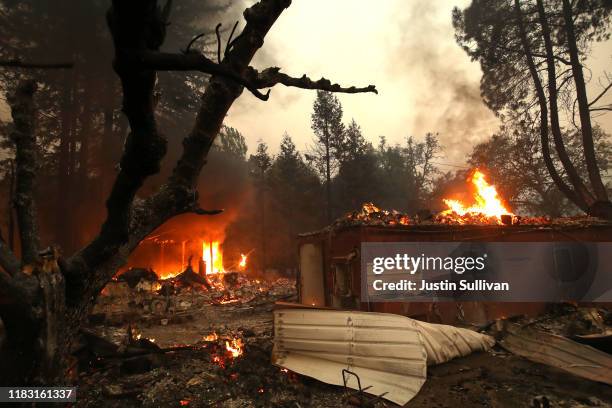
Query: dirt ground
(204, 376)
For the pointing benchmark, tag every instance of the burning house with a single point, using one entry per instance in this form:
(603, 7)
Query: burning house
(330, 264)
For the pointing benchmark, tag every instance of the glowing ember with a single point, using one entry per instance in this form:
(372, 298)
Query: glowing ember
(371, 214)
(211, 337)
(218, 361)
(168, 274)
(184, 402)
(243, 261)
(488, 203)
(213, 257)
(234, 346)
(369, 208)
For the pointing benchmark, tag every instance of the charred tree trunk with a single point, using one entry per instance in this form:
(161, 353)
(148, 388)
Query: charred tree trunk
(32, 309)
(37, 346)
(26, 162)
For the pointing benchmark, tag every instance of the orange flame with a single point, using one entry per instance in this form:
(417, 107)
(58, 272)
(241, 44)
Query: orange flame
(235, 347)
(243, 261)
(213, 257)
(487, 200)
(211, 337)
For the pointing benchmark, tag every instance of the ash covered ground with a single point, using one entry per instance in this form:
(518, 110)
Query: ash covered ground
(206, 348)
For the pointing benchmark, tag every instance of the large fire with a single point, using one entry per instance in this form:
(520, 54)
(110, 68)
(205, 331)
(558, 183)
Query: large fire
(168, 258)
(487, 201)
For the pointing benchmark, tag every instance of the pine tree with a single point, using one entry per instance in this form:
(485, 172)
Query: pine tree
(326, 122)
(259, 163)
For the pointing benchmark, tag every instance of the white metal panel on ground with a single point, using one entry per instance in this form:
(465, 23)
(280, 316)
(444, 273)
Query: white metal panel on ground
(388, 352)
(443, 342)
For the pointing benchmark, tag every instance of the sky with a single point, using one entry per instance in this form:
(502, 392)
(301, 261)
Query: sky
(406, 48)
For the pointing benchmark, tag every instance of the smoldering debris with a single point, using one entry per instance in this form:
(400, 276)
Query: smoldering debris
(142, 297)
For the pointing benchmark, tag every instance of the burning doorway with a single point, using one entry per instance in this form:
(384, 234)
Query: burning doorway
(190, 241)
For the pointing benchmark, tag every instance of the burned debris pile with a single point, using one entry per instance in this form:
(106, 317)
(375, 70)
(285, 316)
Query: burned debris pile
(180, 342)
(487, 209)
(227, 364)
(574, 339)
(139, 295)
(371, 215)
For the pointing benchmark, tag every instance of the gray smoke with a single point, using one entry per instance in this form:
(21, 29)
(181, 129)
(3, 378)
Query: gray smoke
(447, 94)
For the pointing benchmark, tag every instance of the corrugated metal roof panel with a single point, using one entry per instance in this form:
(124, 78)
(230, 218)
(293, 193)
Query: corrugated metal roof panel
(388, 352)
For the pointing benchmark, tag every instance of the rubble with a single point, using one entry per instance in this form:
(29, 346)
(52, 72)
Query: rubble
(179, 342)
(572, 338)
(371, 215)
(186, 373)
(175, 299)
(558, 351)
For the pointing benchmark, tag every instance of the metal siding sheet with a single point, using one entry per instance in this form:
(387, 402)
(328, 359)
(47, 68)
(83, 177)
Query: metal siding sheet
(556, 351)
(389, 352)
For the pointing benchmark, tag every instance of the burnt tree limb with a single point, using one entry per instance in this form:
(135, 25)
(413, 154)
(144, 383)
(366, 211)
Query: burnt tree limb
(272, 76)
(22, 135)
(190, 61)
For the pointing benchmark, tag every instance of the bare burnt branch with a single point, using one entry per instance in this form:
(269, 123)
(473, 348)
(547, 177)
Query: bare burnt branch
(221, 92)
(218, 42)
(272, 76)
(190, 61)
(228, 44)
(22, 111)
(17, 63)
(193, 40)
